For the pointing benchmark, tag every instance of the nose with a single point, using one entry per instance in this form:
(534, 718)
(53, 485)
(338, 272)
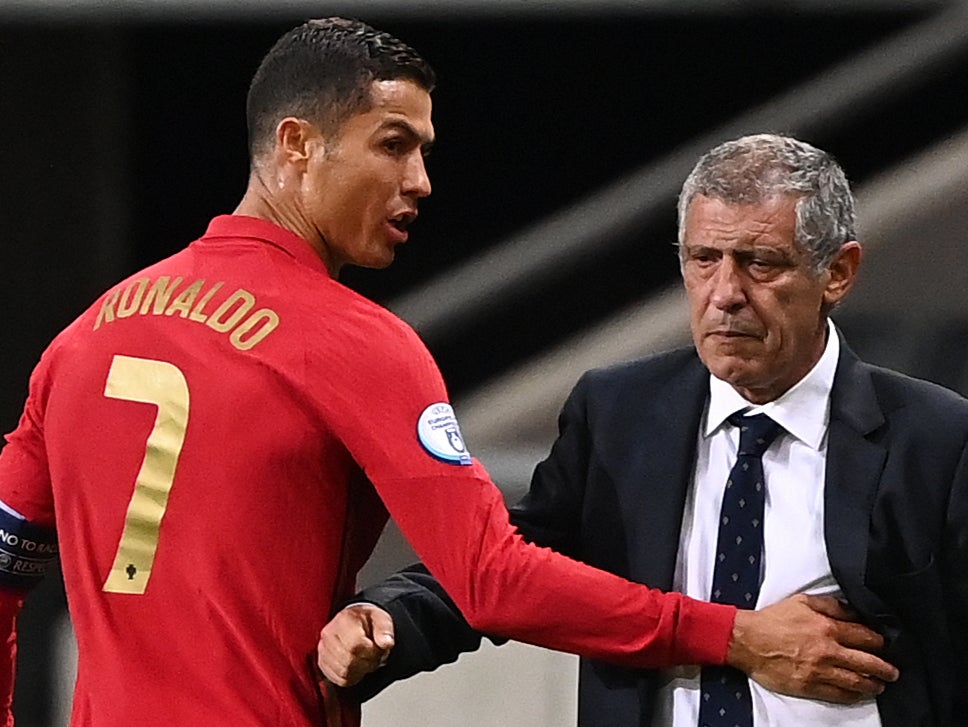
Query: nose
(417, 182)
(728, 293)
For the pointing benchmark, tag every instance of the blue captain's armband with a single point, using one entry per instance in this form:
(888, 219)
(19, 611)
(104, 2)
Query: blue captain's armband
(26, 550)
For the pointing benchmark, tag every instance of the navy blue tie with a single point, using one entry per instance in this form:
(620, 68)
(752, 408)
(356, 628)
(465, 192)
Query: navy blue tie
(724, 698)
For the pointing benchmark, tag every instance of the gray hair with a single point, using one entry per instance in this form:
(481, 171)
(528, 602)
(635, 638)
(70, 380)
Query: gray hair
(752, 169)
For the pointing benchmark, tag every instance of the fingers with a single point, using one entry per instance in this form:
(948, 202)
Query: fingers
(865, 665)
(854, 649)
(853, 636)
(857, 636)
(829, 606)
(833, 693)
(858, 644)
(857, 687)
(381, 626)
(835, 684)
(346, 664)
(805, 647)
(354, 643)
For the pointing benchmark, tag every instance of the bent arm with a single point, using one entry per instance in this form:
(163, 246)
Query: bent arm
(797, 647)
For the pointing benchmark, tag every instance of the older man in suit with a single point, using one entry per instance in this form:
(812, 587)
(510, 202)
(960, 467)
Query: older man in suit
(857, 485)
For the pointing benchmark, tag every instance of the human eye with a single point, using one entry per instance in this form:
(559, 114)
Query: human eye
(700, 256)
(394, 146)
(766, 266)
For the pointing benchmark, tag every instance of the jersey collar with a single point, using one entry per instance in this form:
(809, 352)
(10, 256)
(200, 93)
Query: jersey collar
(236, 226)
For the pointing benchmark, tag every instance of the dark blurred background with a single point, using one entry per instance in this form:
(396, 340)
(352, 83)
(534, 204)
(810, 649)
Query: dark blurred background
(122, 133)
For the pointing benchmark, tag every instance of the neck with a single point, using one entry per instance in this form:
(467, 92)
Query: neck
(279, 207)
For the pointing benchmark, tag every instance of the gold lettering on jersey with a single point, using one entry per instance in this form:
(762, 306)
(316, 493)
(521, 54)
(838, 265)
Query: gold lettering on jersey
(268, 318)
(196, 314)
(233, 315)
(106, 314)
(159, 294)
(131, 297)
(242, 301)
(185, 300)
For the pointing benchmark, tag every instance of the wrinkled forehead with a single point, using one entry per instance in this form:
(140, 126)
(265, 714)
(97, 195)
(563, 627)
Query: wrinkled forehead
(713, 224)
(752, 196)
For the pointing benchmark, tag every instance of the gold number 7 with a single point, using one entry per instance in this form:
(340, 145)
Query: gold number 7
(163, 384)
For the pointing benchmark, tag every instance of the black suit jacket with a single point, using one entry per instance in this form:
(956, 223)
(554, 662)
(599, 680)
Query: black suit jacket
(611, 493)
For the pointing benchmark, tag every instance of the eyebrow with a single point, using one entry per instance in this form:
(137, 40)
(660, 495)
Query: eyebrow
(426, 143)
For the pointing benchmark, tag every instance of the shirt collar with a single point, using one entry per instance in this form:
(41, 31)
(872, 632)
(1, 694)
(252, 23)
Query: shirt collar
(236, 226)
(803, 411)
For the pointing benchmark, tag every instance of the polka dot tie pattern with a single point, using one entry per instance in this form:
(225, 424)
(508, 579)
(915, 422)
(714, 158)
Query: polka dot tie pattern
(724, 699)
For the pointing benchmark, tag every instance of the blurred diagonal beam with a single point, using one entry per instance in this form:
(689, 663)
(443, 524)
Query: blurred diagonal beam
(585, 230)
(510, 421)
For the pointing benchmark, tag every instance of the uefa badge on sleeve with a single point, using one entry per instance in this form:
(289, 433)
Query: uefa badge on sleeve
(439, 433)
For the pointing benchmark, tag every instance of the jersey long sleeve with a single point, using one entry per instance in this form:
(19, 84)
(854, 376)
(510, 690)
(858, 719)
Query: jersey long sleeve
(456, 520)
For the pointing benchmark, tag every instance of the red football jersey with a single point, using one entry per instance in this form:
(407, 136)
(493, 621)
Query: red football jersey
(218, 439)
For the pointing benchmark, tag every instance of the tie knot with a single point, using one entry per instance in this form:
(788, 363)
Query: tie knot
(756, 433)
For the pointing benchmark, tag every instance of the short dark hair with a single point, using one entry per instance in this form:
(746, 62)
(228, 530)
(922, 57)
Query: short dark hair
(321, 71)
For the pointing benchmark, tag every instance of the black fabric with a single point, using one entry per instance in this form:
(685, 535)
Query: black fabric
(896, 524)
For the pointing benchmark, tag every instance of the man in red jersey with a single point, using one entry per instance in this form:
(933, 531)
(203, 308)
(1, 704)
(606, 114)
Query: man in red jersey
(218, 440)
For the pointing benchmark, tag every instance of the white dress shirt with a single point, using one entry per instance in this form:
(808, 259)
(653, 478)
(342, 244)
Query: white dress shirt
(795, 554)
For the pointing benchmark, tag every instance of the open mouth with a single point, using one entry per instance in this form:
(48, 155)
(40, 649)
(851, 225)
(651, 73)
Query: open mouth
(402, 221)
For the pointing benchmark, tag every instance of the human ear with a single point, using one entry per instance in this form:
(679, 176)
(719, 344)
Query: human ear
(842, 272)
(295, 139)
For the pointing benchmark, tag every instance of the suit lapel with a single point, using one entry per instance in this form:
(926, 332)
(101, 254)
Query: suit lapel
(653, 458)
(654, 468)
(854, 466)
